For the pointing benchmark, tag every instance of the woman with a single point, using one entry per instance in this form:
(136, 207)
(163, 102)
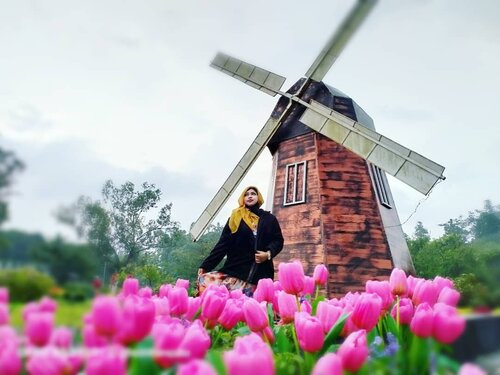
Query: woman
(250, 239)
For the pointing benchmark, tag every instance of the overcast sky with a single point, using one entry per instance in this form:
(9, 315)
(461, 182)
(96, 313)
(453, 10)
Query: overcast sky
(122, 90)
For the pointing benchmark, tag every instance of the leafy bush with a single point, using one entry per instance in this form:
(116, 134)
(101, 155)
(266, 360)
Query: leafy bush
(78, 291)
(26, 284)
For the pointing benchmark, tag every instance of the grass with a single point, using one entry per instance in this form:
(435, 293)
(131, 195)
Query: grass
(68, 314)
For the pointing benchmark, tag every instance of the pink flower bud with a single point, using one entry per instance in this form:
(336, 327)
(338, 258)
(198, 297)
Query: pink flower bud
(182, 283)
(164, 290)
(4, 295)
(354, 351)
(367, 311)
(328, 315)
(287, 305)
(39, 327)
(107, 315)
(405, 311)
(195, 342)
(91, 339)
(10, 360)
(194, 304)
(305, 306)
(130, 287)
(255, 315)
(309, 286)
(309, 332)
(471, 369)
(264, 291)
(381, 289)
(196, 367)
(425, 291)
(47, 304)
(62, 337)
(213, 303)
(167, 337)
(398, 283)
(250, 355)
(162, 306)
(411, 283)
(29, 308)
(320, 275)
(291, 277)
(449, 296)
(145, 292)
(448, 325)
(178, 301)
(232, 314)
(4, 314)
(423, 320)
(441, 282)
(108, 360)
(138, 319)
(40, 361)
(329, 364)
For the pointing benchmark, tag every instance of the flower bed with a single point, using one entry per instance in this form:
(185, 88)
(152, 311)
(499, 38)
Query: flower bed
(400, 326)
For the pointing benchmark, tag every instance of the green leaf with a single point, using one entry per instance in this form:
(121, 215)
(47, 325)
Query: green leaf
(270, 314)
(445, 362)
(288, 363)
(334, 333)
(243, 330)
(391, 325)
(282, 343)
(315, 304)
(214, 357)
(143, 364)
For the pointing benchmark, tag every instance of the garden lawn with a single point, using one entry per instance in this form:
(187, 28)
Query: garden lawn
(68, 314)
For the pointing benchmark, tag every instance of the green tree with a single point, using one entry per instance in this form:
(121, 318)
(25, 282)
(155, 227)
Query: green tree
(121, 227)
(10, 165)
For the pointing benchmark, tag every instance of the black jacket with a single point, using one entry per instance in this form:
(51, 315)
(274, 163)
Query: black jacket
(241, 246)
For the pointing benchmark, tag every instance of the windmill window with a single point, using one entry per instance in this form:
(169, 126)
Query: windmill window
(381, 186)
(295, 183)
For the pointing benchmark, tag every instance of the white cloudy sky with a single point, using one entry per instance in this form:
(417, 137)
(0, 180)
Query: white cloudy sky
(95, 90)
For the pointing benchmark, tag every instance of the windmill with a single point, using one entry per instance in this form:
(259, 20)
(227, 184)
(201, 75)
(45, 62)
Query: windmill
(328, 188)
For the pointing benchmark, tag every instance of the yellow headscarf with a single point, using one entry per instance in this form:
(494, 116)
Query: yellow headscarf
(243, 213)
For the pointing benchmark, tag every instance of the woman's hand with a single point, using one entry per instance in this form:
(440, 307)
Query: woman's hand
(201, 271)
(261, 256)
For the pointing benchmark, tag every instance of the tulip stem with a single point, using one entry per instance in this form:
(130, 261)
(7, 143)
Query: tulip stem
(298, 302)
(317, 292)
(397, 311)
(295, 341)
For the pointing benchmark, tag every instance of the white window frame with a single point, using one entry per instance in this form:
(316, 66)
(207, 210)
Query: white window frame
(381, 186)
(295, 199)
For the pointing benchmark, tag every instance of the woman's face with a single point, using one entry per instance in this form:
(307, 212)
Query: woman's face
(251, 198)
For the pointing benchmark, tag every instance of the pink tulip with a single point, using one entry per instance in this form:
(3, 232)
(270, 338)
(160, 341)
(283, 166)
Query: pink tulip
(145, 292)
(264, 291)
(62, 337)
(4, 295)
(109, 360)
(8, 336)
(39, 328)
(412, 282)
(196, 367)
(195, 342)
(398, 283)
(309, 286)
(354, 351)
(178, 301)
(167, 337)
(232, 314)
(130, 287)
(381, 289)
(249, 356)
(255, 315)
(236, 294)
(320, 275)
(367, 311)
(329, 364)
(449, 296)
(91, 339)
(405, 311)
(10, 360)
(194, 304)
(448, 325)
(4, 314)
(309, 332)
(47, 304)
(268, 335)
(107, 315)
(182, 283)
(138, 319)
(425, 291)
(213, 302)
(164, 290)
(49, 360)
(471, 369)
(287, 304)
(29, 308)
(305, 306)
(422, 322)
(162, 307)
(328, 315)
(441, 282)
(291, 277)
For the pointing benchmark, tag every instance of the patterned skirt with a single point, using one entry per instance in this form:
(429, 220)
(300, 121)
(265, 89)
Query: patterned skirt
(220, 278)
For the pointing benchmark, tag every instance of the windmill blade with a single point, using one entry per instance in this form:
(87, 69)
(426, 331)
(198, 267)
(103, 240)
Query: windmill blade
(252, 75)
(234, 178)
(404, 164)
(339, 39)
